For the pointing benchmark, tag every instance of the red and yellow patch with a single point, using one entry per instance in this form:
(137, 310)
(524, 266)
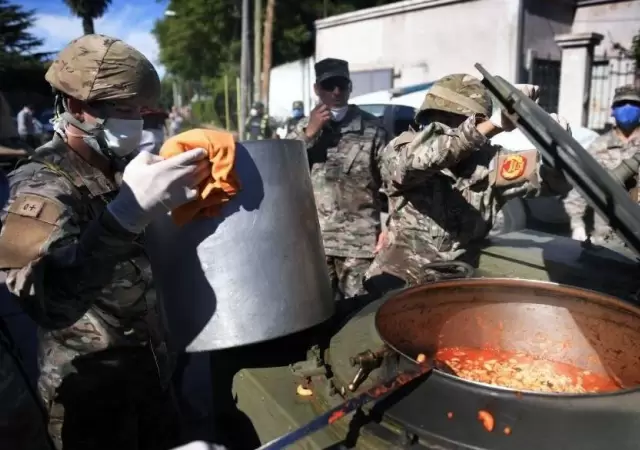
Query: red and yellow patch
(513, 167)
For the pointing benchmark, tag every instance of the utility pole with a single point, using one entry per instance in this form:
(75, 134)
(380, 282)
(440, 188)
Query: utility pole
(257, 50)
(269, 17)
(244, 69)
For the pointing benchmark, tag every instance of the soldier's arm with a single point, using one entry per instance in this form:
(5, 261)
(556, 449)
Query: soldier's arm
(54, 267)
(299, 133)
(436, 148)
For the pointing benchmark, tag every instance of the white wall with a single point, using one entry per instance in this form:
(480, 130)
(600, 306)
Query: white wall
(423, 40)
(291, 82)
(616, 21)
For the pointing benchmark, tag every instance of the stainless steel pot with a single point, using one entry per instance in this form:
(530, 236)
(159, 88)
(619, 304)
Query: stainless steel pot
(257, 272)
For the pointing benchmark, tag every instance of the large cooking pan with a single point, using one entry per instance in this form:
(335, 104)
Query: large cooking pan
(559, 323)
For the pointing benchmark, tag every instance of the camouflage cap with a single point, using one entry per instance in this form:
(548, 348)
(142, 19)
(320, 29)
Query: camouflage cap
(95, 67)
(459, 94)
(258, 105)
(626, 93)
(298, 105)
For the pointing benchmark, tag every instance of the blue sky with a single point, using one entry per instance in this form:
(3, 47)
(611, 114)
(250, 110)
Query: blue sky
(130, 21)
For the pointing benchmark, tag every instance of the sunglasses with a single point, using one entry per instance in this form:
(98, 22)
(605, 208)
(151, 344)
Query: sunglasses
(335, 82)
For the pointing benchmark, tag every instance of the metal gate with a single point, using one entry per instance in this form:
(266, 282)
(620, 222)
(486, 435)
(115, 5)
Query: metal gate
(546, 73)
(607, 74)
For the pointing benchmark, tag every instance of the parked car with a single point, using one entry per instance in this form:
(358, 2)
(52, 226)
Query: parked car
(396, 109)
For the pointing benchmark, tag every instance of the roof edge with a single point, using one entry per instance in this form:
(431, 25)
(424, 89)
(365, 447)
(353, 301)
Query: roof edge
(381, 11)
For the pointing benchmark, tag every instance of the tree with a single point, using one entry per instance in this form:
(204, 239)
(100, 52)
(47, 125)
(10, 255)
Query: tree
(266, 52)
(203, 38)
(88, 11)
(201, 41)
(17, 44)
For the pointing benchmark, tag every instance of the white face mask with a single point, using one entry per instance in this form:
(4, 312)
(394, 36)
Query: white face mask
(122, 135)
(337, 114)
(253, 112)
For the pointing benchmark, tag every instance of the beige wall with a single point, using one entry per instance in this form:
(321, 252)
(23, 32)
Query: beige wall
(616, 21)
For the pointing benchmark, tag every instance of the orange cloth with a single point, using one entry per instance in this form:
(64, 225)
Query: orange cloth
(223, 183)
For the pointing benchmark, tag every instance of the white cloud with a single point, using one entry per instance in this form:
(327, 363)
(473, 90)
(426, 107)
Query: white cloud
(131, 24)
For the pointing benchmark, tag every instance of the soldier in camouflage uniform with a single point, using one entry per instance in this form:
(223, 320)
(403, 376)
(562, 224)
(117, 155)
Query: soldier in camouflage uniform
(258, 126)
(72, 252)
(297, 114)
(446, 183)
(343, 144)
(610, 149)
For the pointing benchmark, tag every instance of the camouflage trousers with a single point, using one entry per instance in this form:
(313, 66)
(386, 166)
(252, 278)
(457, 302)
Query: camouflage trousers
(346, 275)
(111, 399)
(22, 418)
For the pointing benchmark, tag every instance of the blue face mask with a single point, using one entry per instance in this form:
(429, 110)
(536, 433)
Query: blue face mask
(297, 113)
(627, 116)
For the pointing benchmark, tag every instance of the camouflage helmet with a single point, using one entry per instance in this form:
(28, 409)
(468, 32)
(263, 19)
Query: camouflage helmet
(95, 68)
(298, 105)
(258, 105)
(459, 94)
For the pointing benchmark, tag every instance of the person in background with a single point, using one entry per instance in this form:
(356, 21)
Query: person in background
(154, 125)
(175, 121)
(257, 126)
(618, 144)
(297, 114)
(343, 145)
(72, 250)
(26, 128)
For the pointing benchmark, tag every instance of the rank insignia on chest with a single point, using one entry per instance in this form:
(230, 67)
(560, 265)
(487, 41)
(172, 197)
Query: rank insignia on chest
(513, 167)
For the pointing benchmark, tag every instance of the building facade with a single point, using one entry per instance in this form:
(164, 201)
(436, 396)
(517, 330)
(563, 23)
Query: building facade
(415, 41)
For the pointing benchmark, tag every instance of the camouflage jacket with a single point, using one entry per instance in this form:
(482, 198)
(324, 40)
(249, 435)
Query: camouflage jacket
(609, 150)
(344, 164)
(445, 187)
(81, 277)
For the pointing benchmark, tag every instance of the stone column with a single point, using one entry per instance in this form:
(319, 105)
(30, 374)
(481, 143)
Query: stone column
(575, 75)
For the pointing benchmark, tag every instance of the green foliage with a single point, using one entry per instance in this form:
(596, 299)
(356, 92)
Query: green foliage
(88, 10)
(202, 40)
(21, 67)
(17, 45)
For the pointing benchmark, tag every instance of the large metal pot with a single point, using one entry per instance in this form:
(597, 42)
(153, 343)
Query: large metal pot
(257, 272)
(559, 323)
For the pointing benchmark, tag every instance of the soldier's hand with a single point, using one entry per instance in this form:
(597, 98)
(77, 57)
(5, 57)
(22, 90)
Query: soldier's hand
(530, 90)
(382, 241)
(319, 115)
(501, 120)
(564, 123)
(579, 234)
(152, 185)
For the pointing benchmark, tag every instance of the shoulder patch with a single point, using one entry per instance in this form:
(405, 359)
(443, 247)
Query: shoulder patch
(29, 224)
(513, 168)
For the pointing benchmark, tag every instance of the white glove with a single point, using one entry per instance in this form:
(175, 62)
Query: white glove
(152, 185)
(500, 120)
(579, 234)
(562, 122)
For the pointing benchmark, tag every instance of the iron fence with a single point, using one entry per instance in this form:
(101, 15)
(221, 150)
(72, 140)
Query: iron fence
(607, 73)
(546, 74)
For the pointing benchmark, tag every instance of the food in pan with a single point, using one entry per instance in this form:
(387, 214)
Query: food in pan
(523, 372)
